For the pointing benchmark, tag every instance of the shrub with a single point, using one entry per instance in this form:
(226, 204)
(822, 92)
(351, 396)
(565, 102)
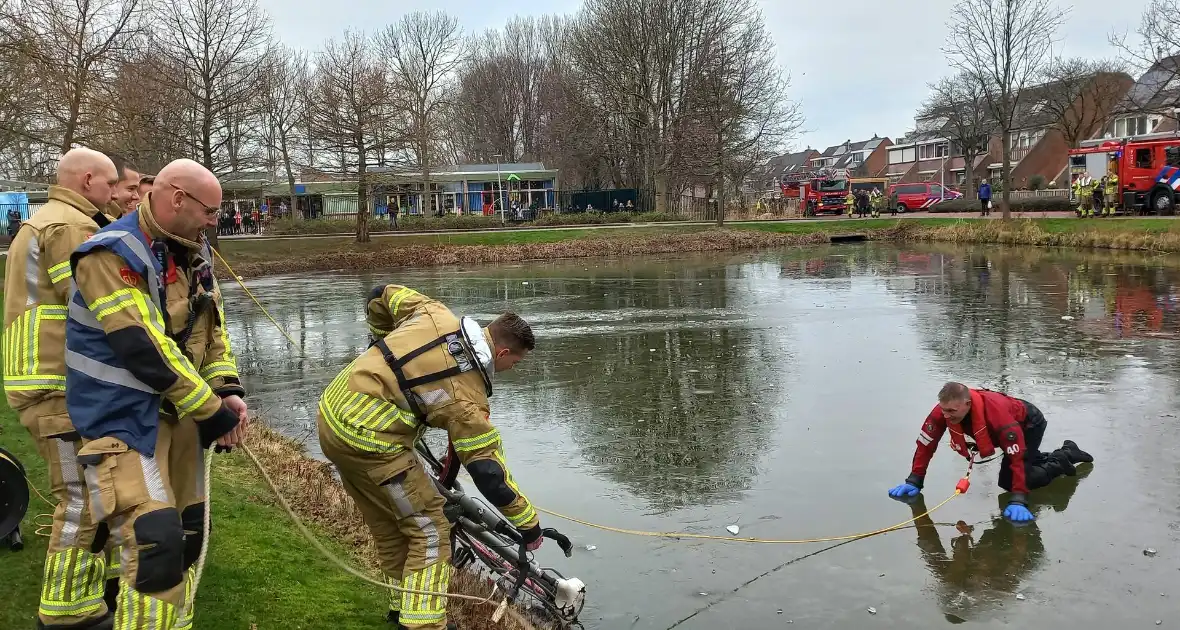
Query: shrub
(1036, 182)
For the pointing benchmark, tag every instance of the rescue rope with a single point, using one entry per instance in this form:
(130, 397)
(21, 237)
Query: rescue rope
(764, 541)
(39, 528)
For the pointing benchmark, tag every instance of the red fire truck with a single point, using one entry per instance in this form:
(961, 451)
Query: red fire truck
(819, 191)
(1148, 171)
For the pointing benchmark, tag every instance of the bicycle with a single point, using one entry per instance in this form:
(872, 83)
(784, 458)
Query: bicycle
(479, 532)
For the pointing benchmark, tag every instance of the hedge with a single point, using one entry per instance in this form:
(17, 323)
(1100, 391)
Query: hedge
(463, 222)
(1032, 204)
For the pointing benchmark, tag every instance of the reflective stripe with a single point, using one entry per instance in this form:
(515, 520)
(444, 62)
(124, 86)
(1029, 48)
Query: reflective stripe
(405, 510)
(67, 454)
(73, 584)
(137, 611)
(475, 443)
(153, 479)
(59, 272)
(224, 369)
(520, 520)
(32, 270)
(420, 610)
(395, 597)
(395, 300)
(106, 373)
(925, 438)
(356, 418)
(91, 474)
(22, 351)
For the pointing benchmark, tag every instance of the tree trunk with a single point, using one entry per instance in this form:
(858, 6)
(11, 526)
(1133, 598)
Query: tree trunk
(720, 189)
(362, 202)
(969, 172)
(1006, 176)
(290, 177)
(661, 194)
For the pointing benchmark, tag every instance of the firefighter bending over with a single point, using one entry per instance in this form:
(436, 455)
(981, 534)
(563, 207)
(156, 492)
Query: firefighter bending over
(982, 421)
(425, 368)
(151, 383)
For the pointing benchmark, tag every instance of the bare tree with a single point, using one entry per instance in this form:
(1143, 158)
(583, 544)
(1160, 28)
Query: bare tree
(71, 46)
(215, 49)
(349, 108)
(17, 74)
(286, 81)
(1080, 94)
(959, 106)
(1002, 45)
(1155, 52)
(741, 99)
(424, 52)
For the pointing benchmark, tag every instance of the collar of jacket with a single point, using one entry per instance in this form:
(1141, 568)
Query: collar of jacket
(71, 198)
(147, 223)
(113, 210)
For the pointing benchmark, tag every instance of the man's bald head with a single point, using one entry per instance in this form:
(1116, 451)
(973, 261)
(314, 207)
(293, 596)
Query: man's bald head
(88, 173)
(185, 198)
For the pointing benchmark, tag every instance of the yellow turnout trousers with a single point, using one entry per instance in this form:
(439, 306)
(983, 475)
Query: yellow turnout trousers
(404, 514)
(155, 508)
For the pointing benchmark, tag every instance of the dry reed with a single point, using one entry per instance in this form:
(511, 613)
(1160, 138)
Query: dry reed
(318, 498)
(395, 256)
(1028, 232)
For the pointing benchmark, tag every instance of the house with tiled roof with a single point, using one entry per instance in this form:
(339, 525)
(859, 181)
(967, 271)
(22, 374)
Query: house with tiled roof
(866, 158)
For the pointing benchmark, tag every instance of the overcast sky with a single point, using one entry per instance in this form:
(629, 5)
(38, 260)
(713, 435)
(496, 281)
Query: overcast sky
(858, 67)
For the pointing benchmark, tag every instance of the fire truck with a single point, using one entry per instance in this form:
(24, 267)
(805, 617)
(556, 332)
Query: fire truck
(819, 191)
(1148, 171)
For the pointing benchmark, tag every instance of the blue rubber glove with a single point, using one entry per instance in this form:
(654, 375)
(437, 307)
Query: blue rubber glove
(1017, 513)
(904, 490)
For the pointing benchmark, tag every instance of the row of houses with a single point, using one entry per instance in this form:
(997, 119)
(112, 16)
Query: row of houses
(1039, 149)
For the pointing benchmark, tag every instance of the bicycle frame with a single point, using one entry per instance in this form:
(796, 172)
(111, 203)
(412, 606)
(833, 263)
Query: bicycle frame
(480, 532)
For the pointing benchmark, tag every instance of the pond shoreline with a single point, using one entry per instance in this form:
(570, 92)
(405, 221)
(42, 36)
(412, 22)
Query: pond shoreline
(1150, 235)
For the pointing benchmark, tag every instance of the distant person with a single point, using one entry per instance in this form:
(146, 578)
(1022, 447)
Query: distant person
(988, 424)
(145, 185)
(985, 198)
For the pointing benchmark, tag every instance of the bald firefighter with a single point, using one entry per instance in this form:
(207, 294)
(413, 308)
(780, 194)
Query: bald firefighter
(151, 384)
(425, 368)
(984, 424)
(36, 290)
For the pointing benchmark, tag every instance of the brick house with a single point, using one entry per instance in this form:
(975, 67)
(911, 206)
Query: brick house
(1038, 145)
(866, 158)
(1151, 106)
(783, 165)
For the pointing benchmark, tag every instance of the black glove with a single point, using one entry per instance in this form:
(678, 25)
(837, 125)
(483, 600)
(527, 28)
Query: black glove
(217, 425)
(531, 537)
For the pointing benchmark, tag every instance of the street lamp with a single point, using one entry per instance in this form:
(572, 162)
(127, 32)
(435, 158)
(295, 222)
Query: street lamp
(500, 187)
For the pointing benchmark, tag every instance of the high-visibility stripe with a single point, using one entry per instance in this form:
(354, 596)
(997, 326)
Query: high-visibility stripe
(223, 369)
(395, 597)
(524, 517)
(421, 610)
(475, 443)
(357, 418)
(138, 611)
(925, 438)
(395, 300)
(60, 272)
(73, 584)
(22, 351)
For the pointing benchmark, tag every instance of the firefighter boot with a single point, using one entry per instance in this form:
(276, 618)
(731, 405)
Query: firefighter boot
(392, 617)
(450, 626)
(107, 622)
(1075, 454)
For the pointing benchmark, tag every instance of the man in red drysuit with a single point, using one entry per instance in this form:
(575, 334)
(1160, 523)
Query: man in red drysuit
(981, 422)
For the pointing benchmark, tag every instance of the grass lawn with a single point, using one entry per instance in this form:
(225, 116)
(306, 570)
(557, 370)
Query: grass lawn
(260, 572)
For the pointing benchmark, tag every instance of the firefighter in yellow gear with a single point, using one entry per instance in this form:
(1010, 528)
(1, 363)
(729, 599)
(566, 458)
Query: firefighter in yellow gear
(877, 200)
(1112, 195)
(1080, 194)
(36, 294)
(850, 204)
(426, 368)
(151, 383)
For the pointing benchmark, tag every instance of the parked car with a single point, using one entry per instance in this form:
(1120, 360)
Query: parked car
(921, 195)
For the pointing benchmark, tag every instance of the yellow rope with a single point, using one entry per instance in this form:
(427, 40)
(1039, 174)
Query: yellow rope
(260, 306)
(764, 541)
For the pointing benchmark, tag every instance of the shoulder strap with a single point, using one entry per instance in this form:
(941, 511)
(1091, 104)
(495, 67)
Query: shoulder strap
(464, 362)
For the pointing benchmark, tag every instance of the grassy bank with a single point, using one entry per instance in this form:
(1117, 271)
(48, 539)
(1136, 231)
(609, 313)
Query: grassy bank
(260, 257)
(260, 572)
(255, 258)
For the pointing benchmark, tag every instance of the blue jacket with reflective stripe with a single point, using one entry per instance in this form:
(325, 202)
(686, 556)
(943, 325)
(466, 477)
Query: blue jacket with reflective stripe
(103, 397)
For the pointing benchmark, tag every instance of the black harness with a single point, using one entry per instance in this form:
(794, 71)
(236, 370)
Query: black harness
(460, 351)
(198, 301)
